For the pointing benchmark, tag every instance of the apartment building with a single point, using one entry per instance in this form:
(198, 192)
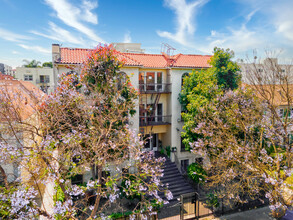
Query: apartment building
(22, 93)
(5, 69)
(266, 70)
(40, 77)
(158, 78)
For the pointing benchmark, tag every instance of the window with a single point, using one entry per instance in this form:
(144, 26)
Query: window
(182, 145)
(183, 76)
(151, 81)
(44, 79)
(28, 77)
(184, 165)
(260, 70)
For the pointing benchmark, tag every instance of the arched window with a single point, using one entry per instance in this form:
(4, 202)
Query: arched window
(183, 75)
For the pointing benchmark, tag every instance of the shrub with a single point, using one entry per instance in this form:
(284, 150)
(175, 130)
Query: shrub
(196, 172)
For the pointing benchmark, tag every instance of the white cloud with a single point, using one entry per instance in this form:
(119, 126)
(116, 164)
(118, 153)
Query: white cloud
(282, 18)
(127, 37)
(60, 34)
(239, 40)
(15, 52)
(73, 16)
(87, 15)
(185, 14)
(35, 49)
(10, 36)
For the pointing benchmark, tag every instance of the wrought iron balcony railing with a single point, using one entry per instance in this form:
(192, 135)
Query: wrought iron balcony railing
(155, 88)
(154, 120)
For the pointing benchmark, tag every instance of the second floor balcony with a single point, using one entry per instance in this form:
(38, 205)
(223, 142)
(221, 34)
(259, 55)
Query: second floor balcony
(155, 87)
(155, 120)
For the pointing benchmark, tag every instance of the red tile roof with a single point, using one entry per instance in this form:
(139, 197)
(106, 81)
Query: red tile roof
(148, 60)
(73, 55)
(5, 77)
(78, 56)
(192, 60)
(24, 96)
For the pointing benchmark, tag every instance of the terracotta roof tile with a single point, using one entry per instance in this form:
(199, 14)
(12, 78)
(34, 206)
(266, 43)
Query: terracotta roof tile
(73, 55)
(24, 95)
(6, 77)
(78, 56)
(149, 60)
(192, 60)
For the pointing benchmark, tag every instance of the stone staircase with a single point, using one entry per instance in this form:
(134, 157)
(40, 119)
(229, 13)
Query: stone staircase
(177, 184)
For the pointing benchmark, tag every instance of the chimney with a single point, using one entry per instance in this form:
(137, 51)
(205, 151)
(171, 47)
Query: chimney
(55, 53)
(56, 57)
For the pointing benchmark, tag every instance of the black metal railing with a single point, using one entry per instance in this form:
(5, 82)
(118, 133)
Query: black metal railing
(154, 120)
(155, 88)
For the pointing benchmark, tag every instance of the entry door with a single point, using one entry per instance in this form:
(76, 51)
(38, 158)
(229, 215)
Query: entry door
(151, 142)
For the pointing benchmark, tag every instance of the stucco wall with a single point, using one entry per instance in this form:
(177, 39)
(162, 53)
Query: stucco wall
(36, 73)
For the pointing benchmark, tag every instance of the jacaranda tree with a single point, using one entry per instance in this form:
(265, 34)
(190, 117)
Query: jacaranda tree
(82, 129)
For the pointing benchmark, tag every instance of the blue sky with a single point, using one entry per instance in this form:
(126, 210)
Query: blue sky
(28, 28)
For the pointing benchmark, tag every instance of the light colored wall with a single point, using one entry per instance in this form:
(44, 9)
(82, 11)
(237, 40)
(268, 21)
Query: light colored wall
(133, 76)
(36, 72)
(176, 128)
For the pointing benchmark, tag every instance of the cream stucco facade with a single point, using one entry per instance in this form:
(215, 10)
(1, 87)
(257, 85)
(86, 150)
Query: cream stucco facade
(165, 125)
(43, 78)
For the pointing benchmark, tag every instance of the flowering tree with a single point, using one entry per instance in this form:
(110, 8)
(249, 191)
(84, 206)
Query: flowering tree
(201, 87)
(82, 129)
(246, 142)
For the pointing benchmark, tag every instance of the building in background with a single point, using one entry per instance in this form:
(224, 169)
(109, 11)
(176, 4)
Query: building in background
(24, 96)
(264, 70)
(128, 47)
(5, 69)
(43, 78)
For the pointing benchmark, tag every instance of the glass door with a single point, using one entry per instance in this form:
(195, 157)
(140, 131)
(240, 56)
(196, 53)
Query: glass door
(151, 142)
(150, 81)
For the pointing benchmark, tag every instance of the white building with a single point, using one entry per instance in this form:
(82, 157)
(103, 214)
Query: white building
(43, 78)
(5, 69)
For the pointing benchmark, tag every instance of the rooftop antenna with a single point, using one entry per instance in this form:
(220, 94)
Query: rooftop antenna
(167, 49)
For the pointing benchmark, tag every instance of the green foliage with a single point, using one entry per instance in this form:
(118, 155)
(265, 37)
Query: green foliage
(168, 151)
(225, 70)
(213, 200)
(132, 189)
(32, 64)
(196, 173)
(199, 89)
(59, 196)
(47, 64)
(120, 215)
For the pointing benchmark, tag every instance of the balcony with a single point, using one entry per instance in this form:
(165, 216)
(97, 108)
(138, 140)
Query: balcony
(155, 88)
(154, 120)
